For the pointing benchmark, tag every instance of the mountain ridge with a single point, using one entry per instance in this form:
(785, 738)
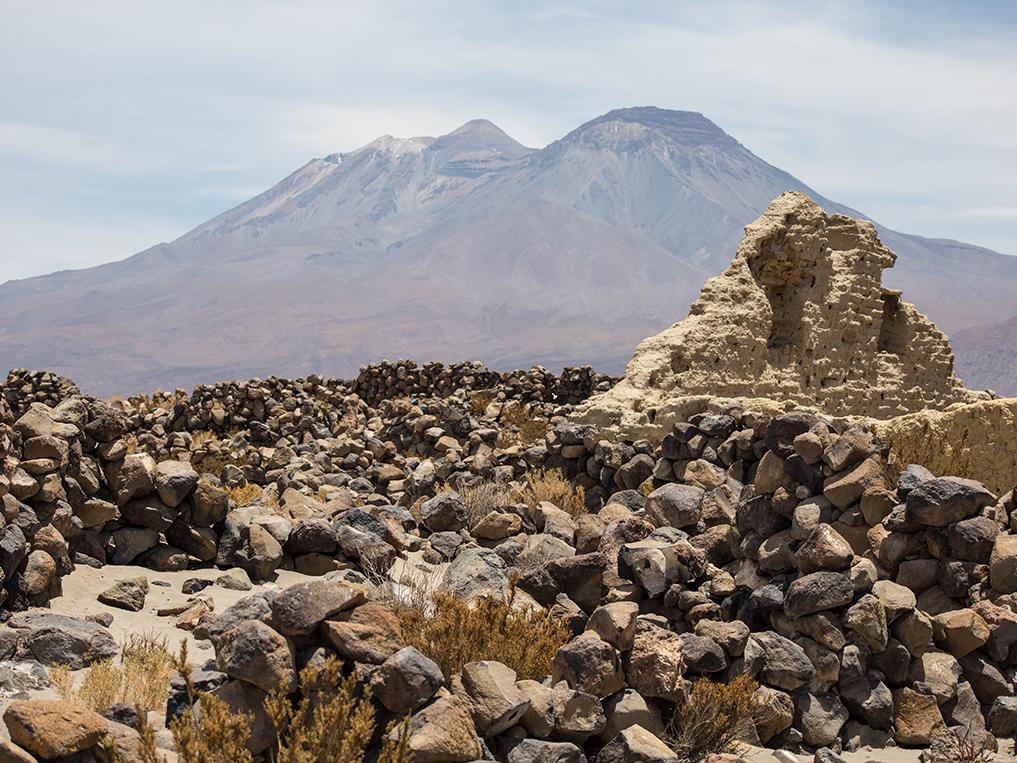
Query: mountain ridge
(463, 245)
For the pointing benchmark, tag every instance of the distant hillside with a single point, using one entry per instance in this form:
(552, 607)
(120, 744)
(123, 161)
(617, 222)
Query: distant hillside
(469, 245)
(987, 356)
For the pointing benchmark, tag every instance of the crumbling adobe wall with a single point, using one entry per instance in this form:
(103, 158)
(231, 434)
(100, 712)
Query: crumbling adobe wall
(800, 316)
(975, 441)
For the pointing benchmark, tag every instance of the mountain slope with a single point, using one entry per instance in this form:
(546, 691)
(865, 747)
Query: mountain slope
(987, 356)
(469, 245)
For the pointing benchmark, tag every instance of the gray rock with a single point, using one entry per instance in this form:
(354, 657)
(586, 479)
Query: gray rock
(174, 481)
(131, 542)
(406, 681)
(817, 592)
(1002, 717)
(476, 571)
(539, 751)
(61, 640)
(675, 505)
(942, 501)
(636, 745)
(254, 607)
(126, 594)
(495, 702)
(819, 717)
(783, 663)
(299, 609)
(588, 664)
(445, 512)
(251, 651)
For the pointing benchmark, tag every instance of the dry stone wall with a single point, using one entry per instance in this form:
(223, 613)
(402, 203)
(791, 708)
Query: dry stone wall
(405, 378)
(870, 607)
(799, 316)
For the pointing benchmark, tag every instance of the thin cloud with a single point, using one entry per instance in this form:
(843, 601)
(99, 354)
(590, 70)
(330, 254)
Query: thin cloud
(162, 114)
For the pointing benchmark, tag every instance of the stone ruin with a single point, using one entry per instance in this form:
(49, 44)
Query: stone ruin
(800, 316)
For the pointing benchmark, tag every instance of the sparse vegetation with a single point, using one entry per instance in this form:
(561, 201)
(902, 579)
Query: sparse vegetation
(479, 402)
(713, 718)
(329, 723)
(142, 678)
(213, 733)
(550, 485)
(452, 632)
(245, 495)
(520, 426)
(482, 499)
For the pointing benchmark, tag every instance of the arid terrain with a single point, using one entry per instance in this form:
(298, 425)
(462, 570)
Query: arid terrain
(468, 245)
(788, 533)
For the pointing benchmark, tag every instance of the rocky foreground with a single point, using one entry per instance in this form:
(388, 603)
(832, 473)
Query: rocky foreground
(870, 608)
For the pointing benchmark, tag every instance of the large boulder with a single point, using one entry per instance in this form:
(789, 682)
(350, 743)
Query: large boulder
(52, 728)
(406, 681)
(446, 511)
(675, 505)
(54, 639)
(299, 609)
(1003, 564)
(174, 481)
(495, 702)
(945, 500)
(817, 592)
(251, 651)
(443, 732)
(589, 664)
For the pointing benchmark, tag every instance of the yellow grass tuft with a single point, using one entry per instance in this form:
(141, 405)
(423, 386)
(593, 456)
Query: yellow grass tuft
(521, 426)
(141, 679)
(713, 718)
(551, 486)
(329, 722)
(454, 632)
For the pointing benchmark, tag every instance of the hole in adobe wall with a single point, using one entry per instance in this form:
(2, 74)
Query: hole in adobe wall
(787, 329)
(893, 327)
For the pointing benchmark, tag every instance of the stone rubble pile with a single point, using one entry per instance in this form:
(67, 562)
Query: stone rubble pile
(870, 612)
(404, 378)
(871, 609)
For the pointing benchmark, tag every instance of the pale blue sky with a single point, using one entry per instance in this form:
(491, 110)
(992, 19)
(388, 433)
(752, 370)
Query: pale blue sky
(125, 123)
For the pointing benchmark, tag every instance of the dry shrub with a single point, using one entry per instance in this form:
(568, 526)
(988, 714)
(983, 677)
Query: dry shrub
(713, 718)
(246, 494)
(99, 688)
(142, 679)
(329, 723)
(148, 669)
(453, 632)
(482, 499)
(551, 486)
(479, 402)
(521, 426)
(215, 734)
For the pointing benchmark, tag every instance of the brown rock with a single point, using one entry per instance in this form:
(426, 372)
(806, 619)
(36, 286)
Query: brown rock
(370, 633)
(53, 728)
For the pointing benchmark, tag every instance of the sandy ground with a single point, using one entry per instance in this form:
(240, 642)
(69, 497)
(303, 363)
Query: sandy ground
(82, 586)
